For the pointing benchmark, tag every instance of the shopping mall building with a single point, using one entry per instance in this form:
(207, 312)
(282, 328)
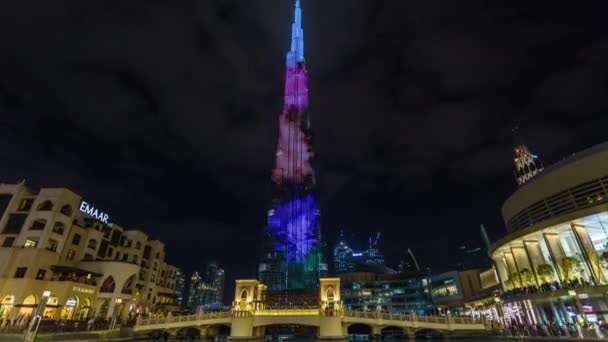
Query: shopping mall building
(52, 239)
(552, 263)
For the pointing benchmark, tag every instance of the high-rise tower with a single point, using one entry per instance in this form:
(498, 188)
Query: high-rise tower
(292, 250)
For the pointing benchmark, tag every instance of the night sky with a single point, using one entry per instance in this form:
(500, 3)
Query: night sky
(164, 113)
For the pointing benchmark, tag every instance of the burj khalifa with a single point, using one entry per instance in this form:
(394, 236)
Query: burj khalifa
(292, 258)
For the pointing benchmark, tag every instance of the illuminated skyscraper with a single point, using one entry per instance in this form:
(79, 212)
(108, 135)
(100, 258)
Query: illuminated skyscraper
(292, 251)
(180, 287)
(193, 292)
(372, 255)
(343, 256)
(527, 165)
(214, 277)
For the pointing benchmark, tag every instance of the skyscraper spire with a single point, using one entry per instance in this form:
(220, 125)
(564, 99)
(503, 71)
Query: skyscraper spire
(296, 53)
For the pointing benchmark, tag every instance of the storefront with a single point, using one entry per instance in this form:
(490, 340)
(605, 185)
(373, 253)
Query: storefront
(6, 305)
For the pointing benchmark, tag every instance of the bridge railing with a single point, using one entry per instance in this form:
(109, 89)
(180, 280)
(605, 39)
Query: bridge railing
(412, 317)
(187, 318)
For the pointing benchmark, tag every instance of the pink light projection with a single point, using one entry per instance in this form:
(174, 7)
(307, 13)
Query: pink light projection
(294, 153)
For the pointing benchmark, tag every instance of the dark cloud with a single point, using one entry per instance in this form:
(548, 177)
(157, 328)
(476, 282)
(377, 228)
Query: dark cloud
(165, 112)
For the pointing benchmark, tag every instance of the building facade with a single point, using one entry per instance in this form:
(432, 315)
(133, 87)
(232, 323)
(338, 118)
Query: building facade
(292, 257)
(180, 288)
(552, 262)
(215, 278)
(53, 240)
(387, 291)
(343, 257)
(206, 291)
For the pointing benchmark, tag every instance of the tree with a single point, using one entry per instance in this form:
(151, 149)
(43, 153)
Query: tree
(569, 265)
(527, 277)
(515, 280)
(545, 272)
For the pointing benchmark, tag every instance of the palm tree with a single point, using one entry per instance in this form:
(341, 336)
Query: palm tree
(545, 272)
(568, 265)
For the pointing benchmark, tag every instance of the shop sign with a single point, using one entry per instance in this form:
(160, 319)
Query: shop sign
(92, 211)
(83, 290)
(70, 302)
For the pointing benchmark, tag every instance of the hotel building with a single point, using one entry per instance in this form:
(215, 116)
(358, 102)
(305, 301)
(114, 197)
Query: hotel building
(552, 263)
(53, 240)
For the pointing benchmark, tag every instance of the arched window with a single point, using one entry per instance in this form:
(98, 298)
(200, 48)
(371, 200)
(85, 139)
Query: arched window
(66, 210)
(45, 206)
(30, 300)
(59, 228)
(330, 294)
(108, 285)
(138, 245)
(92, 244)
(38, 224)
(126, 289)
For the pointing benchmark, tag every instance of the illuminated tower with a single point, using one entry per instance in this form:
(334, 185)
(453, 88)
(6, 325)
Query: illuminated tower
(527, 165)
(292, 249)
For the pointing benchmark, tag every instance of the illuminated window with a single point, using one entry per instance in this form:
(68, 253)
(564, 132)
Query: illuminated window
(26, 204)
(30, 243)
(71, 254)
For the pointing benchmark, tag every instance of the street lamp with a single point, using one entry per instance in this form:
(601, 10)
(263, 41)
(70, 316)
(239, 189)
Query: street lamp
(115, 313)
(35, 323)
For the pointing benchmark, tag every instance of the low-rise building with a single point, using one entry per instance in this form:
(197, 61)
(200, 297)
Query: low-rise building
(381, 289)
(53, 240)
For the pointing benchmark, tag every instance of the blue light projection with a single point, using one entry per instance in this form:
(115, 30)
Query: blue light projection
(294, 226)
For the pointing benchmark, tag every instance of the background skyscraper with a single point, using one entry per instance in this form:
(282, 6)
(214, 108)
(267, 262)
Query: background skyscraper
(343, 256)
(292, 257)
(214, 277)
(193, 292)
(180, 288)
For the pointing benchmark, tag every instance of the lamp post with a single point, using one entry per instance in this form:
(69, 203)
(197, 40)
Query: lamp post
(115, 313)
(30, 336)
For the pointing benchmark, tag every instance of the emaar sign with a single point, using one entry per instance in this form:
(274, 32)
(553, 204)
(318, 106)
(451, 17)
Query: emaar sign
(92, 211)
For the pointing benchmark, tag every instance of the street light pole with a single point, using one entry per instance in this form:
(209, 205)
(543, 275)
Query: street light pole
(35, 323)
(115, 313)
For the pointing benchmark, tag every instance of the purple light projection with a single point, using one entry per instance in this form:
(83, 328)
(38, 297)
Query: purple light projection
(293, 225)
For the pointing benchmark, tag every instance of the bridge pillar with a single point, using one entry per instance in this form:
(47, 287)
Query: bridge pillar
(330, 327)
(377, 332)
(242, 328)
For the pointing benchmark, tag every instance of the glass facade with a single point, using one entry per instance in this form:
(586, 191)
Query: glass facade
(569, 253)
(397, 294)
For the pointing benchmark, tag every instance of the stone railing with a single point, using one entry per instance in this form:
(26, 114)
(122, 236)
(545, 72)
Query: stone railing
(188, 318)
(288, 312)
(412, 317)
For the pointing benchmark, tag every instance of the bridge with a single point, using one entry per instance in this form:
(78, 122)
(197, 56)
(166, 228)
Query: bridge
(249, 318)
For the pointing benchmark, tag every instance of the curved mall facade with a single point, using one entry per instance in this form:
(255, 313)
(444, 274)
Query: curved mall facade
(552, 263)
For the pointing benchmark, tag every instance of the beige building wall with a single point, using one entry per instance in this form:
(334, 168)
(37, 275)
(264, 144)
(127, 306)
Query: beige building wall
(86, 264)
